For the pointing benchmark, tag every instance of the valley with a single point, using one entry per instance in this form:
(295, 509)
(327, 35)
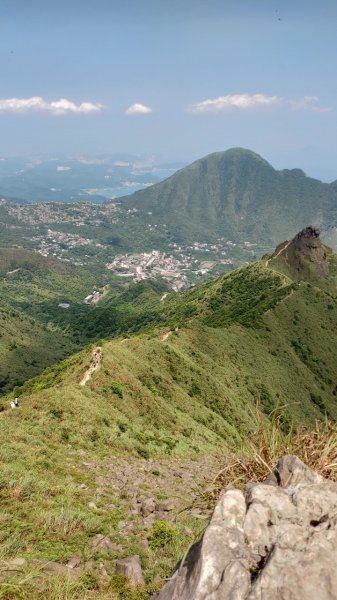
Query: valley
(224, 210)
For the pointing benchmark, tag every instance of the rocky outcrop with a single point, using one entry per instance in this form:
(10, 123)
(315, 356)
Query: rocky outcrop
(130, 568)
(305, 255)
(275, 540)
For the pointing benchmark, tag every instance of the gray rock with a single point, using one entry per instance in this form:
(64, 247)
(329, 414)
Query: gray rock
(148, 522)
(276, 540)
(160, 515)
(118, 548)
(131, 569)
(54, 569)
(148, 506)
(102, 542)
(16, 563)
(166, 505)
(88, 465)
(127, 529)
(74, 562)
(103, 571)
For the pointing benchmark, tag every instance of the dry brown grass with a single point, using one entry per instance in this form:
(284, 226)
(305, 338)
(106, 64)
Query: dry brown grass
(259, 454)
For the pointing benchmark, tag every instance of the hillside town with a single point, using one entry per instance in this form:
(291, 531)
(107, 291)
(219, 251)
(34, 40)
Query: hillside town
(57, 243)
(152, 264)
(78, 214)
(52, 229)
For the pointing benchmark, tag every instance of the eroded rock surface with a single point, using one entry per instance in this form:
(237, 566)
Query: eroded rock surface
(275, 540)
(305, 254)
(131, 569)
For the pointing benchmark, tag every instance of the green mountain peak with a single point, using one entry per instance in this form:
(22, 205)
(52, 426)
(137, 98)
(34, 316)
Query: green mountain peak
(235, 195)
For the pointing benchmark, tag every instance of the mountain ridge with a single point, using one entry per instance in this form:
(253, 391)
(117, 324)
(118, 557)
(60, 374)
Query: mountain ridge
(97, 443)
(236, 193)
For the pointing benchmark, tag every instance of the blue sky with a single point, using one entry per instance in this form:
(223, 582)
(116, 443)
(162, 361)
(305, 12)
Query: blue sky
(176, 79)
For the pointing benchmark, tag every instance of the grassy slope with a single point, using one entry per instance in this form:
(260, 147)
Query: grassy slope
(36, 284)
(31, 288)
(27, 347)
(255, 334)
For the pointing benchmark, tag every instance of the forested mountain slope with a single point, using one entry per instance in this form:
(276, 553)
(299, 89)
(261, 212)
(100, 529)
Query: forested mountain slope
(238, 195)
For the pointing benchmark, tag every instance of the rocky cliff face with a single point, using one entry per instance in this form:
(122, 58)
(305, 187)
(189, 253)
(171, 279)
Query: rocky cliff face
(275, 540)
(305, 254)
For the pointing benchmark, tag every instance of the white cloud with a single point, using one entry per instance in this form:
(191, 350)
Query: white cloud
(307, 103)
(303, 102)
(61, 169)
(138, 109)
(248, 101)
(55, 107)
(242, 101)
(321, 109)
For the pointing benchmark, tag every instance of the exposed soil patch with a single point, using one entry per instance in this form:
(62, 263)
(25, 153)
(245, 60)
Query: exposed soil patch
(94, 366)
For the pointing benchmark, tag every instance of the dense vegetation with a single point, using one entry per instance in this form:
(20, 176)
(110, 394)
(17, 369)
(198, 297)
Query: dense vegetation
(233, 196)
(237, 195)
(182, 388)
(31, 337)
(35, 331)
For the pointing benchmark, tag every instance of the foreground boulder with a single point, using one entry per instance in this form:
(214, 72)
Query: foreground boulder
(275, 540)
(131, 569)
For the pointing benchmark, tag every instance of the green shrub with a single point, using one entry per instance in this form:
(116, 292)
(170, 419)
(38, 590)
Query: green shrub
(89, 581)
(162, 533)
(143, 452)
(116, 389)
(119, 585)
(94, 435)
(56, 413)
(318, 400)
(266, 399)
(65, 436)
(195, 389)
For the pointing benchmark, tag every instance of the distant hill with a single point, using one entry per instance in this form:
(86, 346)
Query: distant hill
(238, 195)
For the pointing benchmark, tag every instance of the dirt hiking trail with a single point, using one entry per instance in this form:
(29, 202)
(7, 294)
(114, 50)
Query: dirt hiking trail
(94, 366)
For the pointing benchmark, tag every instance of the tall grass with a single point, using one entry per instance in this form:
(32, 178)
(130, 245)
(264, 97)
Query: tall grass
(317, 448)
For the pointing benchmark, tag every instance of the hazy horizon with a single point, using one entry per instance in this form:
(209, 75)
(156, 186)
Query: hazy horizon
(172, 80)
